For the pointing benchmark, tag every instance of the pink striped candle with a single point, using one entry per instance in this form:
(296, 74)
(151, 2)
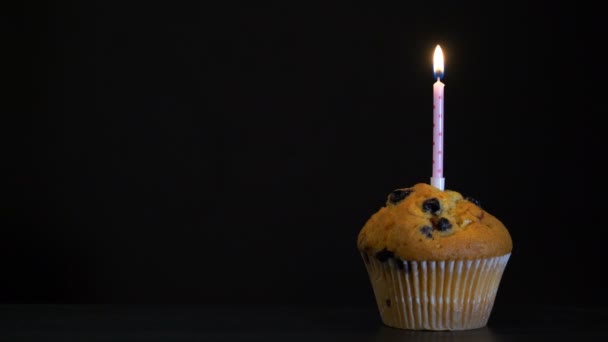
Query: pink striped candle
(437, 180)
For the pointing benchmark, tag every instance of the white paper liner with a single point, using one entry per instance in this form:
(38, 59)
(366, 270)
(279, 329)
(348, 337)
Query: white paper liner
(435, 295)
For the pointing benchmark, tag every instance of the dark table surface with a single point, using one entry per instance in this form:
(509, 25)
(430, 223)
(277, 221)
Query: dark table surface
(199, 323)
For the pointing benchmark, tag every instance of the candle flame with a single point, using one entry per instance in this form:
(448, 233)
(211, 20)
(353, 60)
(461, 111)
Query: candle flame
(438, 62)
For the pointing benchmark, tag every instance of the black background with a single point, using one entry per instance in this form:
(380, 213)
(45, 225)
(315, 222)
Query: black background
(168, 152)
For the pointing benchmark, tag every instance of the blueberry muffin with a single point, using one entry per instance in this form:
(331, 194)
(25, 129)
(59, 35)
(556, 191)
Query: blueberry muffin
(435, 259)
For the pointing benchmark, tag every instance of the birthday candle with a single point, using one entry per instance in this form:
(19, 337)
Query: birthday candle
(437, 179)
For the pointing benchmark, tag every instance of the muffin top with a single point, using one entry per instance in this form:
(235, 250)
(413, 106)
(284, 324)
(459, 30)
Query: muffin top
(425, 223)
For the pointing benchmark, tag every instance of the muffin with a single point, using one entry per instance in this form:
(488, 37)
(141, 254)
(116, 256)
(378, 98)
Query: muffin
(434, 259)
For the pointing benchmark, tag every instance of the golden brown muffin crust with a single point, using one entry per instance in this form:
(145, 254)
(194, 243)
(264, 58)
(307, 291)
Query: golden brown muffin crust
(409, 232)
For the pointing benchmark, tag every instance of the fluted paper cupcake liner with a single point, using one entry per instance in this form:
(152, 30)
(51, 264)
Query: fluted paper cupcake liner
(435, 295)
